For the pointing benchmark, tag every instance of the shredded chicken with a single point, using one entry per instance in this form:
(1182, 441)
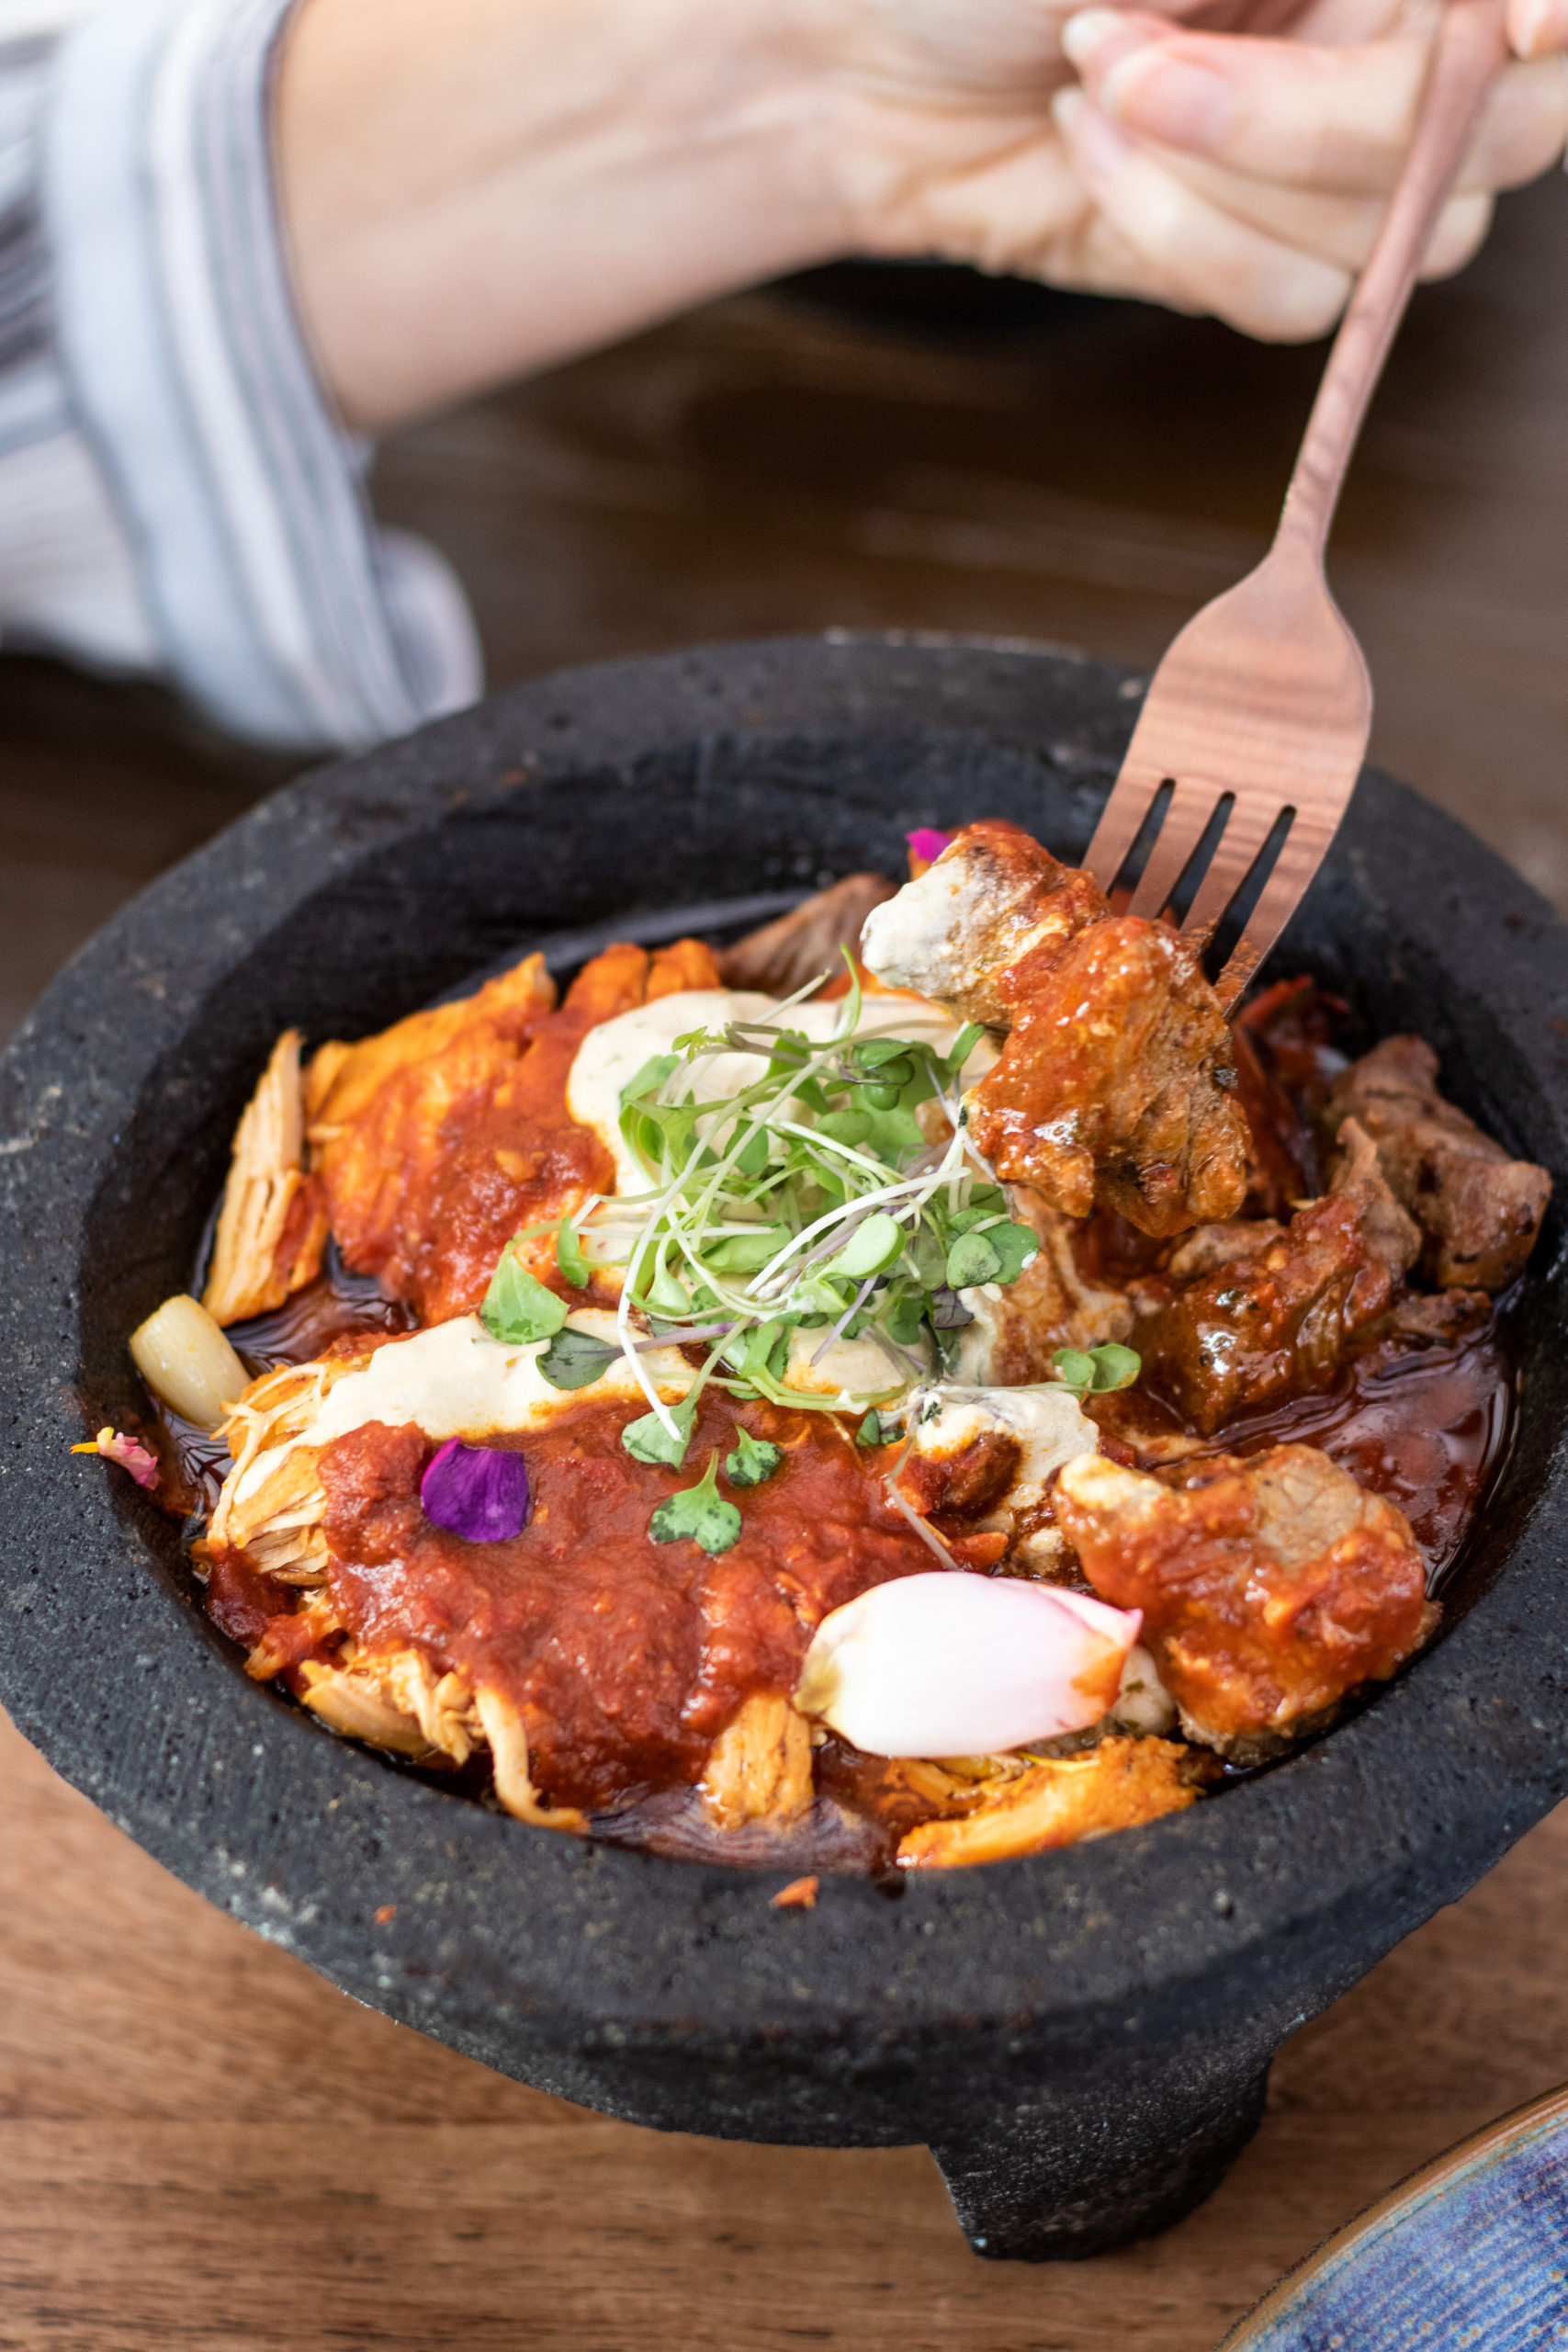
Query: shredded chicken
(442, 1705)
(395, 1699)
(359, 1705)
(503, 1726)
(271, 1503)
(784, 955)
(1055, 1802)
(759, 1767)
(1270, 1587)
(1478, 1210)
(273, 1224)
(438, 1139)
(269, 1516)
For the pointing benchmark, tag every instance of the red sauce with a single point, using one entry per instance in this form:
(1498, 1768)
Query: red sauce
(625, 1657)
(244, 1602)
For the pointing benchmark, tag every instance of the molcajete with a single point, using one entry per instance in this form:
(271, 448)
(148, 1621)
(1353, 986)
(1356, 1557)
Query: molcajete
(1083, 2038)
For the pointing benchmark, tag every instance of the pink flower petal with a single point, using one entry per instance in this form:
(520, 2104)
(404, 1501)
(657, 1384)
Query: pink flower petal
(115, 1446)
(960, 1664)
(926, 846)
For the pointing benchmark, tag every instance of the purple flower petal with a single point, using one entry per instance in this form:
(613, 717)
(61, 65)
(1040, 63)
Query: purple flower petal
(927, 843)
(478, 1491)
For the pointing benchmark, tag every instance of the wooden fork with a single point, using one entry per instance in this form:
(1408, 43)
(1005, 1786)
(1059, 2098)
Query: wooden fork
(1259, 713)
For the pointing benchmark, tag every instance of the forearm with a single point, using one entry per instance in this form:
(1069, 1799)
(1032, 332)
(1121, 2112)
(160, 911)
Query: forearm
(472, 192)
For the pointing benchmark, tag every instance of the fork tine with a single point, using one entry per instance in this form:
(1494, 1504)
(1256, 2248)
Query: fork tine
(1186, 821)
(1304, 848)
(1122, 821)
(1249, 825)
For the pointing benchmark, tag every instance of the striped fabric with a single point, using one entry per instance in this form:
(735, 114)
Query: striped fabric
(174, 492)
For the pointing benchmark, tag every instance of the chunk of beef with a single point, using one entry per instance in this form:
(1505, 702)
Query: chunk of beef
(1211, 1249)
(784, 955)
(1478, 1210)
(1268, 1587)
(993, 898)
(1443, 1318)
(1115, 1086)
(1250, 1314)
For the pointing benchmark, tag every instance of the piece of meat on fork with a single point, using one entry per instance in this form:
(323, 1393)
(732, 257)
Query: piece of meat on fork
(1116, 1085)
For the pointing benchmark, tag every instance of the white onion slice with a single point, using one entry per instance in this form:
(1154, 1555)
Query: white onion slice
(958, 1664)
(185, 1359)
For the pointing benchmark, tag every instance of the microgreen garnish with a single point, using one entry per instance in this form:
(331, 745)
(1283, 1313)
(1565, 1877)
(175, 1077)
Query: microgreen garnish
(990, 1253)
(872, 1248)
(1094, 1372)
(698, 1514)
(650, 1441)
(570, 1257)
(870, 1430)
(808, 1200)
(517, 1308)
(754, 1459)
(577, 1358)
(963, 1046)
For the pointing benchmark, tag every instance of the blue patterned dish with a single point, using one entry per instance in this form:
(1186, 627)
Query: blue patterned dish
(1471, 2251)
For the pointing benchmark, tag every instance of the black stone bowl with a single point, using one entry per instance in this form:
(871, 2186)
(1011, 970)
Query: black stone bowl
(1082, 2038)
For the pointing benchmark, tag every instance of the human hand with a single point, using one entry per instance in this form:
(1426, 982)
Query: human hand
(1220, 173)
(494, 185)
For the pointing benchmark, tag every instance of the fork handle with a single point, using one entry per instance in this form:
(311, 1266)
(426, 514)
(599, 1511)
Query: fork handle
(1471, 45)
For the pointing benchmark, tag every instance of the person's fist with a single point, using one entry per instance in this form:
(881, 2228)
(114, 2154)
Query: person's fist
(1217, 172)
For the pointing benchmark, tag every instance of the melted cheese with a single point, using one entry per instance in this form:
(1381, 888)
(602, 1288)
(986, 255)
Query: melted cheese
(929, 935)
(857, 1367)
(453, 1380)
(1048, 1422)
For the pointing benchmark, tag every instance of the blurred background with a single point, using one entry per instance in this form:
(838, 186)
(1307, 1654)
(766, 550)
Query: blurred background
(912, 446)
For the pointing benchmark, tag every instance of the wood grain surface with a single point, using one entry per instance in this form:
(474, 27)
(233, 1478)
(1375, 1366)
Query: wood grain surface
(202, 2145)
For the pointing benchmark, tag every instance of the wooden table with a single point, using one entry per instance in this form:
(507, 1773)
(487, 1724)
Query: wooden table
(200, 2144)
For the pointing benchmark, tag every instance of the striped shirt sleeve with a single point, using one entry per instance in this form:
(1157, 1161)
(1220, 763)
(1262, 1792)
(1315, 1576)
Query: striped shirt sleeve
(167, 456)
